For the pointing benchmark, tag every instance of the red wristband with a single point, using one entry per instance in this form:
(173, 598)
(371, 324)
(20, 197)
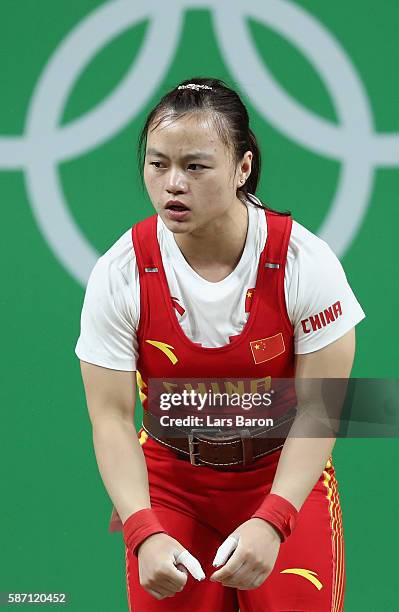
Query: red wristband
(138, 526)
(279, 512)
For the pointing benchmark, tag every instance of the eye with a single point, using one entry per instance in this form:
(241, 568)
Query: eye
(199, 165)
(156, 165)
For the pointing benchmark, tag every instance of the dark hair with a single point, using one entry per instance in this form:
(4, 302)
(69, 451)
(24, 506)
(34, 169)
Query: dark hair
(230, 118)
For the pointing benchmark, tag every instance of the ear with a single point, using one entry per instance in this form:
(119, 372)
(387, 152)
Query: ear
(246, 164)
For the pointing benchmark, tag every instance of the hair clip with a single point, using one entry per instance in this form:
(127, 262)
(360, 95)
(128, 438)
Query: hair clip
(195, 86)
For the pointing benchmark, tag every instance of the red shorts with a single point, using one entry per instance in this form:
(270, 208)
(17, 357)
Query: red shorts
(200, 507)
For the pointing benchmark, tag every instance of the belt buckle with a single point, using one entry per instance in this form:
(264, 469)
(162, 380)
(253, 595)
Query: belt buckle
(191, 442)
(191, 448)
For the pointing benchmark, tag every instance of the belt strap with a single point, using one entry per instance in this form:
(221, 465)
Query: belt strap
(240, 447)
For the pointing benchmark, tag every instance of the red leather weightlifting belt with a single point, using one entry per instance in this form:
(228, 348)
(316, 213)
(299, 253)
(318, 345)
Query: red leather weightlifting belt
(232, 448)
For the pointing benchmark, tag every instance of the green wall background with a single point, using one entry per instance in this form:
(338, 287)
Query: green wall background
(55, 509)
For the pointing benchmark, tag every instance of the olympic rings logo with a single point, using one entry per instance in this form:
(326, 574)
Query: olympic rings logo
(353, 141)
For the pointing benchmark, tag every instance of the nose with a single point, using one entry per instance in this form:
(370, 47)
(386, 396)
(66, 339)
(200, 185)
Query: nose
(175, 181)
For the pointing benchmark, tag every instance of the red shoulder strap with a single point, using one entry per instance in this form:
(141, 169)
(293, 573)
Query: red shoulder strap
(144, 238)
(278, 236)
(273, 260)
(148, 257)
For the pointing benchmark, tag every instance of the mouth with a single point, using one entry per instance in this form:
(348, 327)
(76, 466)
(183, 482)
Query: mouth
(176, 211)
(175, 205)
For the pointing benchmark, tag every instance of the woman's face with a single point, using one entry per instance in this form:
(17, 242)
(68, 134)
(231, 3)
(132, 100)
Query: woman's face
(186, 161)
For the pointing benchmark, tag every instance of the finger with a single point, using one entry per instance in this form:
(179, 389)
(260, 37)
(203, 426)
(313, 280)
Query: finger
(259, 579)
(184, 571)
(250, 583)
(191, 563)
(181, 568)
(171, 581)
(155, 594)
(242, 575)
(177, 575)
(168, 584)
(226, 573)
(243, 578)
(225, 550)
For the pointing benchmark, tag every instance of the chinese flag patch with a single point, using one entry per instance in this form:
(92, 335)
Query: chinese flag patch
(267, 348)
(249, 298)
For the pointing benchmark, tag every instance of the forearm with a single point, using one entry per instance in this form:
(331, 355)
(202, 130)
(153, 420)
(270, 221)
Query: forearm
(301, 462)
(122, 466)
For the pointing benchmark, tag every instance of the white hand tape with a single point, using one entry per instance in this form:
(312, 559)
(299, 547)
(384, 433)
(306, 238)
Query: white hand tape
(191, 563)
(225, 550)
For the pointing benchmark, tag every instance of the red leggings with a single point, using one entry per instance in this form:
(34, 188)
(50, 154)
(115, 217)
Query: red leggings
(200, 507)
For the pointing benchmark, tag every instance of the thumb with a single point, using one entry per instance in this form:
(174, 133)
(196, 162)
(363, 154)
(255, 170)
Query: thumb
(224, 551)
(191, 563)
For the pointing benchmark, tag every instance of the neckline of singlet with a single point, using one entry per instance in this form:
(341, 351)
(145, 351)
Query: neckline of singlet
(176, 254)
